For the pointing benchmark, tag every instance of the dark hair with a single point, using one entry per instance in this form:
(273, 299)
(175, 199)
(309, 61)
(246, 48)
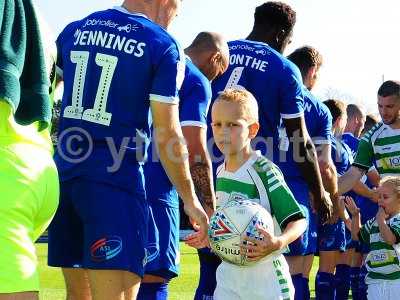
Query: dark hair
(305, 58)
(389, 88)
(336, 107)
(275, 15)
(370, 122)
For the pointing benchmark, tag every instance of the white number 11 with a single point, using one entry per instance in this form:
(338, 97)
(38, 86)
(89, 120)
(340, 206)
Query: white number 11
(98, 113)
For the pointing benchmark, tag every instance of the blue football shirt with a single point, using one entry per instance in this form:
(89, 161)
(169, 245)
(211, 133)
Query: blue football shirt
(113, 63)
(274, 81)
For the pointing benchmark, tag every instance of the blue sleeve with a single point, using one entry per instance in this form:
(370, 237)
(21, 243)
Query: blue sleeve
(194, 106)
(292, 99)
(324, 133)
(168, 76)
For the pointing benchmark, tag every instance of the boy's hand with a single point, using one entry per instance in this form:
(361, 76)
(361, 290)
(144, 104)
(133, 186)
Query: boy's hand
(381, 215)
(256, 249)
(351, 206)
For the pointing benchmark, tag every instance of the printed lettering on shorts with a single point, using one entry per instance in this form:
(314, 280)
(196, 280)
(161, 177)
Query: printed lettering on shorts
(281, 279)
(106, 248)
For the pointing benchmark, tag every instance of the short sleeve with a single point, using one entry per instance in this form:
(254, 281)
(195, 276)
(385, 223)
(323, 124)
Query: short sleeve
(195, 99)
(168, 76)
(394, 226)
(365, 231)
(283, 204)
(291, 92)
(365, 154)
(324, 133)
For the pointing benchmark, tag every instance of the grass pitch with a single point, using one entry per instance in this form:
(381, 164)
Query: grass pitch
(181, 288)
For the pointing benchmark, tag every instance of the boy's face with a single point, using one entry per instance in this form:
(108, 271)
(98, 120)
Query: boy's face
(388, 199)
(230, 129)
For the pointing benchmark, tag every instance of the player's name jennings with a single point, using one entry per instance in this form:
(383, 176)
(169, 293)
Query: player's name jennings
(109, 41)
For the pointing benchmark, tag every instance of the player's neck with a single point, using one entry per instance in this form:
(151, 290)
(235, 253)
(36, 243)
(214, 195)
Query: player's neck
(395, 125)
(233, 162)
(141, 7)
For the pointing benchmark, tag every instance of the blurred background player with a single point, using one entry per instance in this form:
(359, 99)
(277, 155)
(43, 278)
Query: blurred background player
(28, 175)
(378, 146)
(368, 209)
(246, 174)
(354, 126)
(319, 126)
(206, 58)
(382, 234)
(112, 77)
(257, 64)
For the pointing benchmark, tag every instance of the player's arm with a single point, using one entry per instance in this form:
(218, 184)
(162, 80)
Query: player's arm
(361, 165)
(173, 155)
(329, 176)
(363, 190)
(347, 181)
(167, 80)
(308, 164)
(373, 177)
(287, 212)
(200, 166)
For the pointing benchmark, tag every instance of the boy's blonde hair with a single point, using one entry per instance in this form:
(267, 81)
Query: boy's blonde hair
(394, 181)
(246, 101)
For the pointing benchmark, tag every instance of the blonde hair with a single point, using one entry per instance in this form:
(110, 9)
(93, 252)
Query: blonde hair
(394, 181)
(246, 101)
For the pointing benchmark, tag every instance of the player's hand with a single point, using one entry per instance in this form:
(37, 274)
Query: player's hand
(337, 210)
(351, 206)
(195, 240)
(323, 206)
(381, 215)
(198, 218)
(255, 249)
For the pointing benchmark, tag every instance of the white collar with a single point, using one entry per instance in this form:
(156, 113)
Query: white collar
(125, 11)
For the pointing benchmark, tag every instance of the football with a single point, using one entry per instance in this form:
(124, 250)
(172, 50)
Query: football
(230, 222)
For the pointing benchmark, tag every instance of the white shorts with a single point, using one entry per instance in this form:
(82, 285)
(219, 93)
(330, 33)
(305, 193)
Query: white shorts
(385, 290)
(269, 279)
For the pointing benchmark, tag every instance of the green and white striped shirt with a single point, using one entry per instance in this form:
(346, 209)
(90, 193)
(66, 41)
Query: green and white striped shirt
(261, 181)
(382, 261)
(380, 146)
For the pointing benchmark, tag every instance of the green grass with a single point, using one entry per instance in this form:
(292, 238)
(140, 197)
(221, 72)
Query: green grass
(181, 288)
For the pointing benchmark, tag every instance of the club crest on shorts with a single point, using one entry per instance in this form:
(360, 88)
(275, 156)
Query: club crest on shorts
(106, 248)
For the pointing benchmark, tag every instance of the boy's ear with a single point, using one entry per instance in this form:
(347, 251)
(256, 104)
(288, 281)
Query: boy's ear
(253, 130)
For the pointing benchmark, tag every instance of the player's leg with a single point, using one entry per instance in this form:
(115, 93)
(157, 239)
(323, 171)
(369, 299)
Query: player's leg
(209, 263)
(162, 250)
(113, 284)
(76, 284)
(311, 250)
(23, 182)
(342, 275)
(66, 227)
(355, 273)
(265, 280)
(115, 234)
(331, 240)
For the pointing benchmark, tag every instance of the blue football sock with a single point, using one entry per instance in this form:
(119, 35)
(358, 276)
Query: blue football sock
(153, 291)
(354, 282)
(297, 280)
(207, 280)
(362, 286)
(306, 289)
(324, 286)
(342, 282)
